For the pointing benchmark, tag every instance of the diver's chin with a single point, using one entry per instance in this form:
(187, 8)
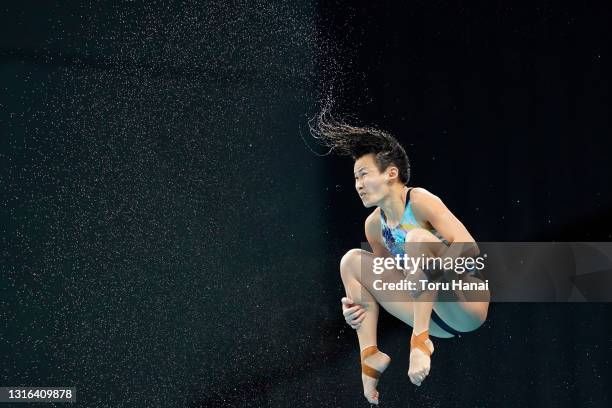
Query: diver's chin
(367, 204)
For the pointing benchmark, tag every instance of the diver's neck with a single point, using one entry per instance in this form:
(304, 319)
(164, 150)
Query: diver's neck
(394, 205)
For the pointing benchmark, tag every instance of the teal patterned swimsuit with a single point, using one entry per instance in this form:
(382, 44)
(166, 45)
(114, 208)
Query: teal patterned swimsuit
(395, 237)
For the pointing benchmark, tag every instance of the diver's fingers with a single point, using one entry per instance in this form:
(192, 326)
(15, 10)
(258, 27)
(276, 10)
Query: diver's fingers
(351, 318)
(349, 311)
(355, 324)
(358, 314)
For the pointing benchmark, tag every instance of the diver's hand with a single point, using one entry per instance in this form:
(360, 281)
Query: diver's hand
(353, 314)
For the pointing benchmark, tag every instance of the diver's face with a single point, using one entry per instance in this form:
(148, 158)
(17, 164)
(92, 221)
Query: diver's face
(371, 185)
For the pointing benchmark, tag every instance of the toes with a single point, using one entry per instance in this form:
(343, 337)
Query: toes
(369, 390)
(372, 399)
(417, 378)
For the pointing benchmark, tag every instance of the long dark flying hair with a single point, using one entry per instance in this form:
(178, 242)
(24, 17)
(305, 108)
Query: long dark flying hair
(346, 140)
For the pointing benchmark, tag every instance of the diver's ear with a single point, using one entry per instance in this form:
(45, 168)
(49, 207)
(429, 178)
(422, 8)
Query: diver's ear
(392, 172)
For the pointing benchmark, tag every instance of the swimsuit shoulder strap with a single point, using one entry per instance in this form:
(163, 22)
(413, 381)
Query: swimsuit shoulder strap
(408, 195)
(382, 213)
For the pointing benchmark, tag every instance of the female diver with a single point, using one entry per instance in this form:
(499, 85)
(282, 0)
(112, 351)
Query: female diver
(404, 218)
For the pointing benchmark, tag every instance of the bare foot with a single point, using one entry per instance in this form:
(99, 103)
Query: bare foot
(420, 363)
(378, 361)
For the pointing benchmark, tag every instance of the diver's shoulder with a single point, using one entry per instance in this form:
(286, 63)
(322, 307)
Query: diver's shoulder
(420, 194)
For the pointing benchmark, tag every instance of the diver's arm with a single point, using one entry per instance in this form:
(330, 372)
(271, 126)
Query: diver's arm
(374, 236)
(430, 209)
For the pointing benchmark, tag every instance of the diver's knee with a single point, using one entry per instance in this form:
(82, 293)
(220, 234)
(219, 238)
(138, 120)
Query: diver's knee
(350, 262)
